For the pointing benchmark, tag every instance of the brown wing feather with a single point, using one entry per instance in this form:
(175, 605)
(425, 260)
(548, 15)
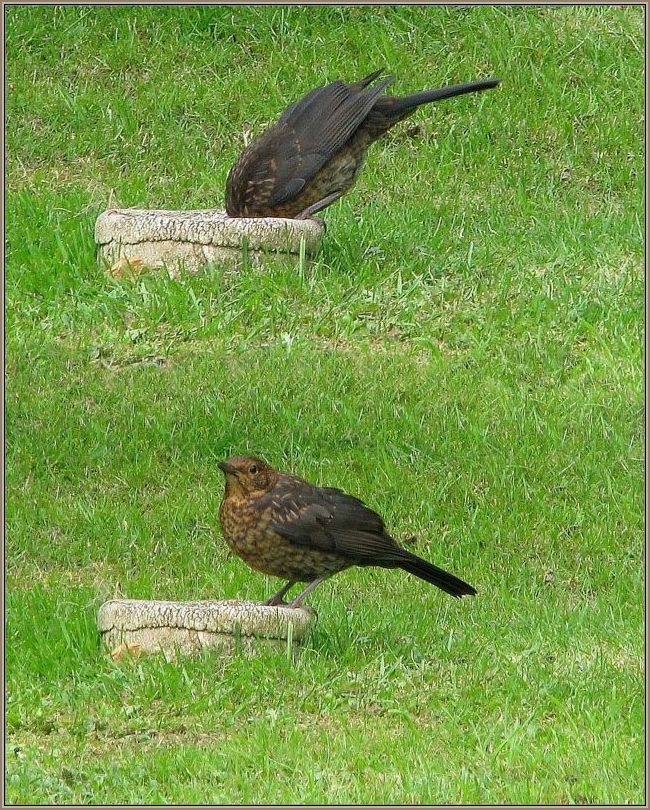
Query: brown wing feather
(277, 165)
(330, 520)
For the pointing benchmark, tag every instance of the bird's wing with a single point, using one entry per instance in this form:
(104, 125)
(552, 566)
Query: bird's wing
(326, 117)
(305, 101)
(309, 132)
(330, 520)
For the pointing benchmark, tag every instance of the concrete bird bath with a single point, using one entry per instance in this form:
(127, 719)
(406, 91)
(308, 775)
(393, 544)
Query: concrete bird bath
(189, 240)
(135, 626)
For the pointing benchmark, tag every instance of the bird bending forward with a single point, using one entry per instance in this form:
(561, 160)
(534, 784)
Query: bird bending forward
(284, 526)
(313, 154)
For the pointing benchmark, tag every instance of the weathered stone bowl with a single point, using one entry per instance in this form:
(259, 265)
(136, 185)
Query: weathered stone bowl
(181, 628)
(191, 239)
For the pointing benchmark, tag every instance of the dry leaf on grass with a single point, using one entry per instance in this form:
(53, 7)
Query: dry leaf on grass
(125, 649)
(126, 266)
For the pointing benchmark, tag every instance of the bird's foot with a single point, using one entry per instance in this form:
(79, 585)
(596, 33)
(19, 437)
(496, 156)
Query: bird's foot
(318, 220)
(275, 601)
(300, 604)
(296, 603)
(278, 598)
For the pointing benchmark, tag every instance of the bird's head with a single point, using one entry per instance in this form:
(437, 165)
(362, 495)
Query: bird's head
(246, 475)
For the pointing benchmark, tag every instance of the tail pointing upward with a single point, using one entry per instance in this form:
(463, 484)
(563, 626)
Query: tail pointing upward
(410, 102)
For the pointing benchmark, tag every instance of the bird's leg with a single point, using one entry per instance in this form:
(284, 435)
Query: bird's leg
(297, 602)
(277, 599)
(317, 206)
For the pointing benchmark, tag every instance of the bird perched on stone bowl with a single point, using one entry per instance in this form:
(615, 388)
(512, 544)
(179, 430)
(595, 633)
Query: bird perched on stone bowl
(313, 154)
(284, 526)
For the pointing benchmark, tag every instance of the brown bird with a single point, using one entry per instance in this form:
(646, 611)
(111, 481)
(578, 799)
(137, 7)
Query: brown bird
(284, 526)
(313, 154)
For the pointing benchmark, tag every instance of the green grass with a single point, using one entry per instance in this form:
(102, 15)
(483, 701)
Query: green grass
(465, 354)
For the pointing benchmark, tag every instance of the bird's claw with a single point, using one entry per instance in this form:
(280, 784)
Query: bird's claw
(275, 603)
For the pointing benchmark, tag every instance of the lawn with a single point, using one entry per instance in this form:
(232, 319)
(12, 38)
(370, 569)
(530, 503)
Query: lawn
(465, 354)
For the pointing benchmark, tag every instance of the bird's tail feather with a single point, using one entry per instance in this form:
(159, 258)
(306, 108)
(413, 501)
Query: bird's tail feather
(436, 576)
(404, 103)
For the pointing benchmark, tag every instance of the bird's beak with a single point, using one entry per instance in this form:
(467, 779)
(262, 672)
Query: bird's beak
(226, 468)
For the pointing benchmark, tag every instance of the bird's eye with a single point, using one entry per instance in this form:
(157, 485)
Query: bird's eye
(252, 469)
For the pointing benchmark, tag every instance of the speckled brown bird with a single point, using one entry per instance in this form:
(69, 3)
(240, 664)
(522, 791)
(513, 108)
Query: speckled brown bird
(284, 526)
(313, 154)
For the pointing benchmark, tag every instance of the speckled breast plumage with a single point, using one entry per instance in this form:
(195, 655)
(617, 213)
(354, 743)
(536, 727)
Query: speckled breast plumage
(248, 533)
